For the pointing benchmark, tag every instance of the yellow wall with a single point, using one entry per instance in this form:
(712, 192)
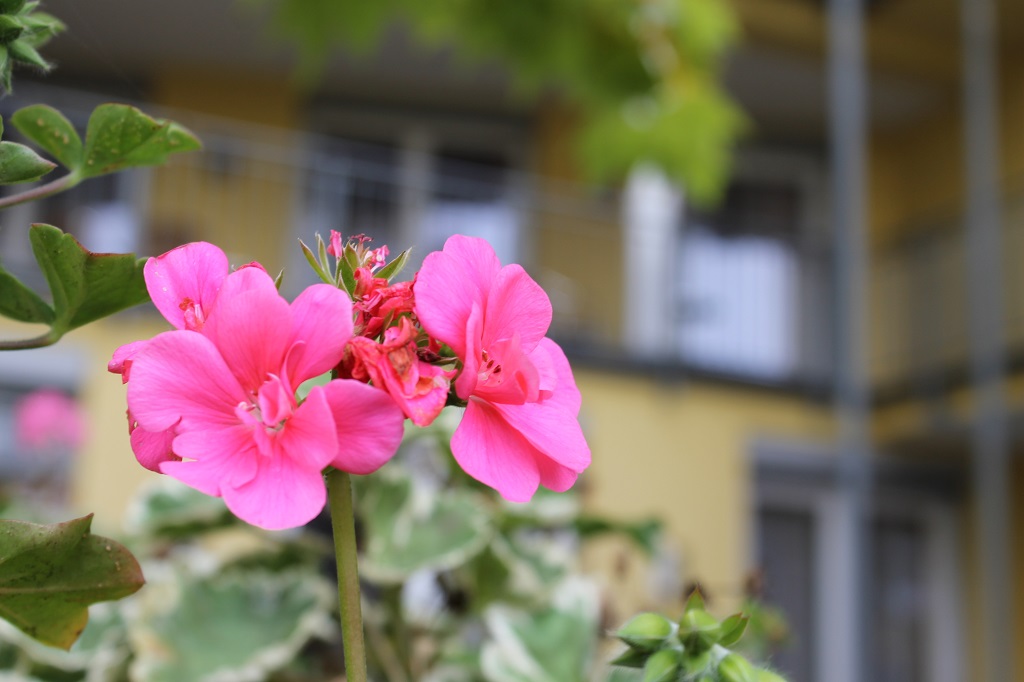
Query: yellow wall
(682, 452)
(244, 205)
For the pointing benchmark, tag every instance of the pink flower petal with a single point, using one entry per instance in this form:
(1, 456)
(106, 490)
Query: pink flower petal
(252, 331)
(448, 284)
(180, 376)
(218, 470)
(309, 438)
(368, 422)
(467, 380)
(516, 306)
(283, 494)
(553, 431)
(556, 376)
(228, 453)
(494, 453)
(322, 318)
(554, 476)
(184, 277)
(122, 361)
(153, 449)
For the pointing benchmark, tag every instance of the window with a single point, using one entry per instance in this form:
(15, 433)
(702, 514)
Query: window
(913, 602)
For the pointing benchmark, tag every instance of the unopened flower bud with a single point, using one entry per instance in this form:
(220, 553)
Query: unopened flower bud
(699, 630)
(735, 668)
(662, 666)
(645, 631)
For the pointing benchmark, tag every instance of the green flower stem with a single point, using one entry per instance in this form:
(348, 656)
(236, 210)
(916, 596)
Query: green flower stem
(59, 185)
(47, 339)
(339, 489)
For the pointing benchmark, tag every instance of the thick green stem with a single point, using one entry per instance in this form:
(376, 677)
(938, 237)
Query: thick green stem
(339, 489)
(59, 185)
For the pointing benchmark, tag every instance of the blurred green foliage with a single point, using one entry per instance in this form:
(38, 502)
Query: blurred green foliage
(642, 74)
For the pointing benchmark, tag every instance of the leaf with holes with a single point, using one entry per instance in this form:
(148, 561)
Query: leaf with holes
(49, 574)
(119, 136)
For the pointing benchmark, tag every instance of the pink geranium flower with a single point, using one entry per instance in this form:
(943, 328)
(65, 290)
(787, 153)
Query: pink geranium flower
(183, 285)
(419, 388)
(48, 419)
(521, 427)
(225, 400)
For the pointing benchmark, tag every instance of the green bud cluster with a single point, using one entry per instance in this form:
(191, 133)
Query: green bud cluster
(23, 31)
(694, 649)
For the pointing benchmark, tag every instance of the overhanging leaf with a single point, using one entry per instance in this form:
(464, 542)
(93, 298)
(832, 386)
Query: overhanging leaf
(85, 286)
(49, 574)
(48, 128)
(119, 136)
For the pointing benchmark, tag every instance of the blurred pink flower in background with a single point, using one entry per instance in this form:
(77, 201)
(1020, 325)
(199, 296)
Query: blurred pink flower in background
(47, 420)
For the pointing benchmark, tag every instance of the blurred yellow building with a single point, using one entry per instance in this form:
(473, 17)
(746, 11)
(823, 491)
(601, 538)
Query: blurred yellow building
(709, 343)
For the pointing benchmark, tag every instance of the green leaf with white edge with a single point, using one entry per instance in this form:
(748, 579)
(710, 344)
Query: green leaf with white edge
(555, 644)
(20, 303)
(49, 574)
(85, 286)
(258, 621)
(101, 650)
(20, 164)
(169, 509)
(392, 269)
(409, 529)
(119, 136)
(50, 130)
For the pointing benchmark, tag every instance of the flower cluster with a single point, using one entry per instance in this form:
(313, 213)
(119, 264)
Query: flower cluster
(216, 403)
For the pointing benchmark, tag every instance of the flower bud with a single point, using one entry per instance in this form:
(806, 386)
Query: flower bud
(735, 668)
(662, 666)
(645, 631)
(699, 630)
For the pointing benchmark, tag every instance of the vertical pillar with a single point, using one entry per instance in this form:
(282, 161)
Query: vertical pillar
(415, 187)
(846, 645)
(652, 215)
(990, 443)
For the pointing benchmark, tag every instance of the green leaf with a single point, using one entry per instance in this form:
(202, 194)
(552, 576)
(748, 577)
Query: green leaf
(50, 574)
(695, 601)
(18, 163)
(10, 28)
(311, 258)
(394, 267)
(240, 626)
(169, 509)
(405, 535)
(18, 302)
(22, 50)
(85, 286)
(48, 128)
(732, 629)
(631, 658)
(119, 136)
(555, 644)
